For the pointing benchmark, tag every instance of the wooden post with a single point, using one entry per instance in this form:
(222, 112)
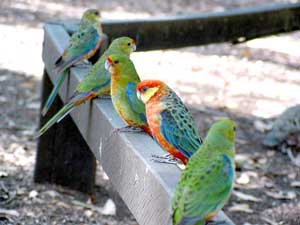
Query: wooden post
(63, 157)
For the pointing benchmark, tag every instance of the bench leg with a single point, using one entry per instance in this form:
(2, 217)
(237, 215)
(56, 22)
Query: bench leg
(63, 157)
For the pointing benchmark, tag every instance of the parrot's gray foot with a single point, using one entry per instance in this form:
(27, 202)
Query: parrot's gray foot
(104, 97)
(127, 129)
(212, 222)
(167, 161)
(83, 64)
(295, 160)
(165, 156)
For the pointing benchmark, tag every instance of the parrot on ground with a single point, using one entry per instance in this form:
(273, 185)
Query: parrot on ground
(170, 122)
(287, 123)
(206, 183)
(124, 79)
(95, 83)
(285, 134)
(83, 44)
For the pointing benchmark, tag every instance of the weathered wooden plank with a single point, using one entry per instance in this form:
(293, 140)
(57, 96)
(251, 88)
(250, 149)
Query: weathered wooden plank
(146, 187)
(204, 28)
(62, 152)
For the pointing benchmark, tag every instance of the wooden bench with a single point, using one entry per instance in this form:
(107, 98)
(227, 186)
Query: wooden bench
(64, 155)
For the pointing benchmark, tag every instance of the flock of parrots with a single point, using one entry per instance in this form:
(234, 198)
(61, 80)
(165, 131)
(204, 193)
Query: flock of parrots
(154, 108)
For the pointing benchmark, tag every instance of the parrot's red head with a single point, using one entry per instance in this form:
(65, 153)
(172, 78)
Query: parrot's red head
(149, 88)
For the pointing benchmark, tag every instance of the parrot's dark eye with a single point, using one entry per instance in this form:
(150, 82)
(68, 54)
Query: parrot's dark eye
(129, 44)
(116, 61)
(234, 128)
(144, 89)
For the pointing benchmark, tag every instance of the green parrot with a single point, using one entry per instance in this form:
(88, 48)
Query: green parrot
(206, 183)
(83, 44)
(124, 80)
(95, 83)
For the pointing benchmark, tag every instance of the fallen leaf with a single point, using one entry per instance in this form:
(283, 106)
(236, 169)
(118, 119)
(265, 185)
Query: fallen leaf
(62, 204)
(281, 194)
(244, 161)
(240, 208)
(88, 213)
(109, 208)
(243, 179)
(51, 193)
(270, 153)
(292, 176)
(3, 174)
(246, 197)
(261, 126)
(33, 194)
(9, 212)
(295, 184)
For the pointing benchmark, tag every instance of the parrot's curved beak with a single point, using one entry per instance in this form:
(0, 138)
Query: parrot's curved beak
(133, 48)
(107, 64)
(138, 94)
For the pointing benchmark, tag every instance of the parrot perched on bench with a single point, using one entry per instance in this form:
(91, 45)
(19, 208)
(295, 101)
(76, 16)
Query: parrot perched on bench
(95, 83)
(83, 44)
(170, 122)
(206, 183)
(124, 79)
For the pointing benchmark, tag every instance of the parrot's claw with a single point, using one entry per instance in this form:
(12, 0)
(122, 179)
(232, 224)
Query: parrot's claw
(83, 64)
(212, 222)
(126, 129)
(104, 97)
(167, 161)
(165, 156)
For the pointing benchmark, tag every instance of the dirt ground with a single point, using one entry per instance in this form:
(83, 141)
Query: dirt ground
(250, 83)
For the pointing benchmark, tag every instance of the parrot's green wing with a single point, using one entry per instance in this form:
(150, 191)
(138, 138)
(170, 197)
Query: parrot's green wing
(81, 44)
(98, 74)
(96, 79)
(214, 177)
(83, 41)
(136, 105)
(178, 127)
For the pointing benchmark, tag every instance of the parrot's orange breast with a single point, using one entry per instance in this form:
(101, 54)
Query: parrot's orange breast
(153, 110)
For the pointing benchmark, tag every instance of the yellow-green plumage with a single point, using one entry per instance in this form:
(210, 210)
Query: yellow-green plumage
(98, 77)
(83, 44)
(206, 183)
(95, 83)
(124, 80)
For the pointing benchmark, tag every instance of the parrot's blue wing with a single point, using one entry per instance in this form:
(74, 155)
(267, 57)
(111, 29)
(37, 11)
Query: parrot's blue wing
(136, 105)
(180, 134)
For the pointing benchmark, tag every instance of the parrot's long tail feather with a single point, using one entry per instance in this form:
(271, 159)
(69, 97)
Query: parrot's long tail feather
(61, 64)
(75, 101)
(57, 117)
(54, 91)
